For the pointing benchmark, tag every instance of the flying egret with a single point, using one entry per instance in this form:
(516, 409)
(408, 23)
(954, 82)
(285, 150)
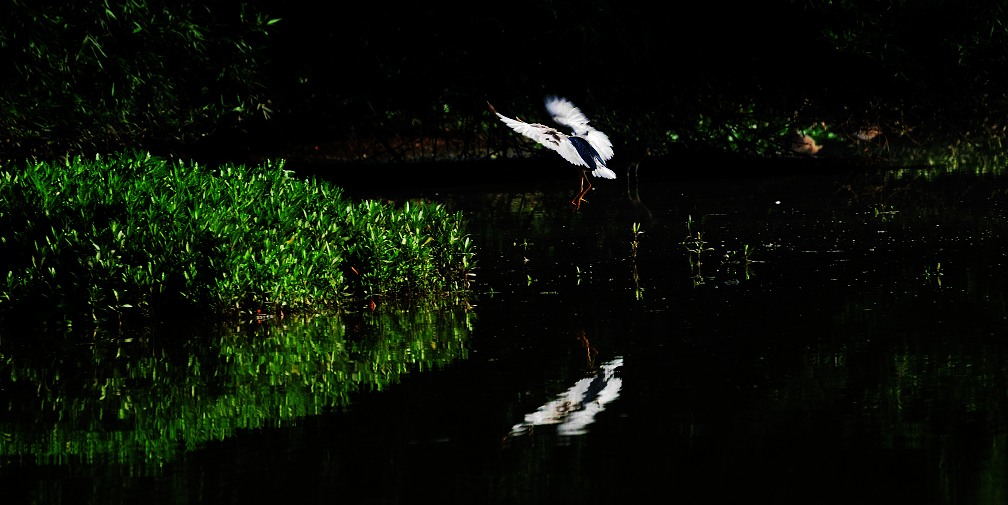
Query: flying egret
(585, 146)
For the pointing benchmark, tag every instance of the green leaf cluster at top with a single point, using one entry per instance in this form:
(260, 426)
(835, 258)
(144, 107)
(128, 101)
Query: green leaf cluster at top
(139, 234)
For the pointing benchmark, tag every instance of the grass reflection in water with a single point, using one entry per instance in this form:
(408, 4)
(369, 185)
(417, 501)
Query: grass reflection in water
(136, 402)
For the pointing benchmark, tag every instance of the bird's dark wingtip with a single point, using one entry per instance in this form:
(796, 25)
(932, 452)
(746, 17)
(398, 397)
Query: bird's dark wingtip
(492, 109)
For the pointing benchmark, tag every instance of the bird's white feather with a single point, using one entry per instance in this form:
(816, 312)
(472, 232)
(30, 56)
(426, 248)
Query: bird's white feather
(566, 114)
(547, 136)
(601, 143)
(604, 173)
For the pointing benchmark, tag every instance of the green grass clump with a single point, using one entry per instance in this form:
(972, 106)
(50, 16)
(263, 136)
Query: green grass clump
(418, 249)
(139, 234)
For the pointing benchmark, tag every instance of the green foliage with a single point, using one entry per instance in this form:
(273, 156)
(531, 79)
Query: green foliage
(86, 76)
(420, 249)
(109, 236)
(696, 246)
(637, 232)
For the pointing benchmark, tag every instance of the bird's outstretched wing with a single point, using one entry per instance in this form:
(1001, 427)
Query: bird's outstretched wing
(566, 114)
(601, 143)
(547, 136)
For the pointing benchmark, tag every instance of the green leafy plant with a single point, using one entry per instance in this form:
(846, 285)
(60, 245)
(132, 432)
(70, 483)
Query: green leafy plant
(741, 261)
(115, 236)
(635, 275)
(695, 245)
(636, 233)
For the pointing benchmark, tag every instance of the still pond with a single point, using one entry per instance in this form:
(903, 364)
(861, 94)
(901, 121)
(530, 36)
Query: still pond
(788, 338)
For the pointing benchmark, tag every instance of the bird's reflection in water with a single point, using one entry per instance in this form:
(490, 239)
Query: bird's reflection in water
(574, 409)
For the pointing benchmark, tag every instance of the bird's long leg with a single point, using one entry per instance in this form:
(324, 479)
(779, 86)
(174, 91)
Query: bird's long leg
(576, 202)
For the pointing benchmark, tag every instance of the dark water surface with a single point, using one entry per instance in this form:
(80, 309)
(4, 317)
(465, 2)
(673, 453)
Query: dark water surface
(786, 339)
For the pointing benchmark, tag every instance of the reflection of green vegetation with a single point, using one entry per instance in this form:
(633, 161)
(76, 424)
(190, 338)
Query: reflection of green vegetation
(740, 262)
(884, 212)
(933, 275)
(108, 237)
(911, 385)
(736, 263)
(128, 403)
(914, 399)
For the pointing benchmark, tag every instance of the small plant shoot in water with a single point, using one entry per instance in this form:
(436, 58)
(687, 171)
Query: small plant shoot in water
(695, 245)
(634, 244)
(637, 232)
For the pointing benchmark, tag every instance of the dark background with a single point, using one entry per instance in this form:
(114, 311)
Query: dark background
(409, 81)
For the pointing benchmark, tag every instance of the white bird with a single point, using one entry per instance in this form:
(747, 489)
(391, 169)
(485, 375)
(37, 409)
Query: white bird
(585, 146)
